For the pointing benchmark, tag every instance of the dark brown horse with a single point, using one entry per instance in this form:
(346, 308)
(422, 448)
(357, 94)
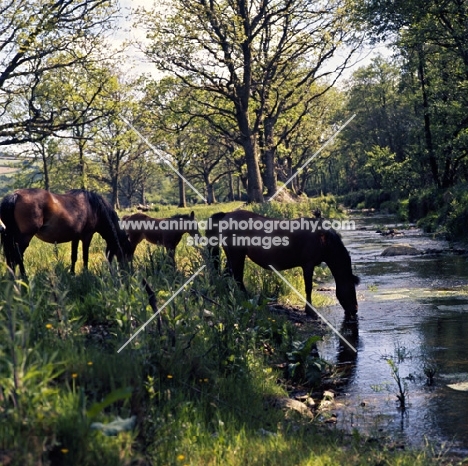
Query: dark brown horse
(165, 232)
(267, 242)
(59, 218)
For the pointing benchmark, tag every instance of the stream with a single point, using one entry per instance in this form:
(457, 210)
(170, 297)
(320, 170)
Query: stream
(413, 311)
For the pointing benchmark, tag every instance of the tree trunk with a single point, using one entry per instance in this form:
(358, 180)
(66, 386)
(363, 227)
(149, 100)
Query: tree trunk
(82, 166)
(249, 144)
(115, 192)
(269, 157)
(143, 195)
(427, 120)
(231, 187)
(45, 167)
(238, 188)
(210, 194)
(254, 179)
(182, 199)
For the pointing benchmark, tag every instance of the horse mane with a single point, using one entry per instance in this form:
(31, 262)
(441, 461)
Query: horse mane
(103, 209)
(338, 252)
(99, 204)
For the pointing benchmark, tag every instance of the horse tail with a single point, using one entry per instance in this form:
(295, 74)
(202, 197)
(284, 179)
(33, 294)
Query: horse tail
(10, 231)
(213, 231)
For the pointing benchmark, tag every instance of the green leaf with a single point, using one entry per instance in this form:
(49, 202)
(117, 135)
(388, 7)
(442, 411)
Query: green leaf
(116, 395)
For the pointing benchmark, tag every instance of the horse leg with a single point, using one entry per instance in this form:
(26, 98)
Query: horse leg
(74, 255)
(20, 247)
(171, 255)
(86, 241)
(236, 265)
(308, 273)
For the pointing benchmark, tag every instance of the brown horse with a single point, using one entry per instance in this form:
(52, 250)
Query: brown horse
(165, 232)
(59, 218)
(270, 242)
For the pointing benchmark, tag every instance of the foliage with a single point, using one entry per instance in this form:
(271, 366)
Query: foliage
(40, 39)
(303, 365)
(253, 63)
(327, 205)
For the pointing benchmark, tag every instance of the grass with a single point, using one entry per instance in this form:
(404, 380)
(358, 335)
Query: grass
(201, 387)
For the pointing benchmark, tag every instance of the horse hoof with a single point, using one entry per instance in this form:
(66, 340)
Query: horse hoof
(351, 319)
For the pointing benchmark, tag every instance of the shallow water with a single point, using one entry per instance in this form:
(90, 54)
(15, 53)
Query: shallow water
(413, 310)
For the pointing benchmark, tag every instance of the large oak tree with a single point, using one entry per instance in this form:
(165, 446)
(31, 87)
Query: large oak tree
(259, 55)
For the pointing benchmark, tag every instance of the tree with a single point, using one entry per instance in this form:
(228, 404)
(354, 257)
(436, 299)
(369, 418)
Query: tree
(137, 178)
(207, 164)
(242, 52)
(299, 142)
(168, 118)
(115, 145)
(433, 40)
(37, 38)
(88, 96)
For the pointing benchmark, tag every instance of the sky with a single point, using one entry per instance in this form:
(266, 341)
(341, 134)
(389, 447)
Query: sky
(136, 62)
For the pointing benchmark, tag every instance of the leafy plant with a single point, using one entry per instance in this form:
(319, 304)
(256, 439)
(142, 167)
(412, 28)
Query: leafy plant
(402, 394)
(303, 363)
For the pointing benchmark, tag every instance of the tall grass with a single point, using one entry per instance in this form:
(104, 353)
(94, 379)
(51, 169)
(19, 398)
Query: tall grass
(201, 384)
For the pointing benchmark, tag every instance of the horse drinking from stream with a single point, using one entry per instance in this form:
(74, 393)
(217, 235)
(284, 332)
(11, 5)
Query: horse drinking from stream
(246, 234)
(59, 218)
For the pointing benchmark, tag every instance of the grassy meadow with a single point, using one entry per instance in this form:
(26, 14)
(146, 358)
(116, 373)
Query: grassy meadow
(202, 387)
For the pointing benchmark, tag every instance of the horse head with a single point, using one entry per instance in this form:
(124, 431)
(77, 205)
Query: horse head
(124, 251)
(346, 294)
(108, 227)
(192, 225)
(337, 257)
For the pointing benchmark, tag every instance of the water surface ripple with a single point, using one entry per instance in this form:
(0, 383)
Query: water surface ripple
(413, 309)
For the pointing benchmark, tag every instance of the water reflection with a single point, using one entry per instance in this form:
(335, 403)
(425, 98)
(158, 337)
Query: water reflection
(415, 306)
(346, 356)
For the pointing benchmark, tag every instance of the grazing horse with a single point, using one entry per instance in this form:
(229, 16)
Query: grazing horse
(165, 232)
(59, 218)
(272, 242)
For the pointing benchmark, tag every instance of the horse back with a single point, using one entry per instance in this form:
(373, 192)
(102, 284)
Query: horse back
(270, 244)
(52, 217)
(140, 226)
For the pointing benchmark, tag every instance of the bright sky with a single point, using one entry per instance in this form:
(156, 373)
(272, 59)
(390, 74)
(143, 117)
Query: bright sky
(137, 63)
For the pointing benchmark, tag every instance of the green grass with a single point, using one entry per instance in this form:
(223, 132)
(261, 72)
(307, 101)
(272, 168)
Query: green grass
(202, 388)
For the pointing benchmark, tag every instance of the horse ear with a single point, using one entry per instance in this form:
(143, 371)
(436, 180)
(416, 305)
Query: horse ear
(192, 215)
(356, 279)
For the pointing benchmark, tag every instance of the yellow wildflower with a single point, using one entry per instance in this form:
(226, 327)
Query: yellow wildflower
(49, 326)
(64, 450)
